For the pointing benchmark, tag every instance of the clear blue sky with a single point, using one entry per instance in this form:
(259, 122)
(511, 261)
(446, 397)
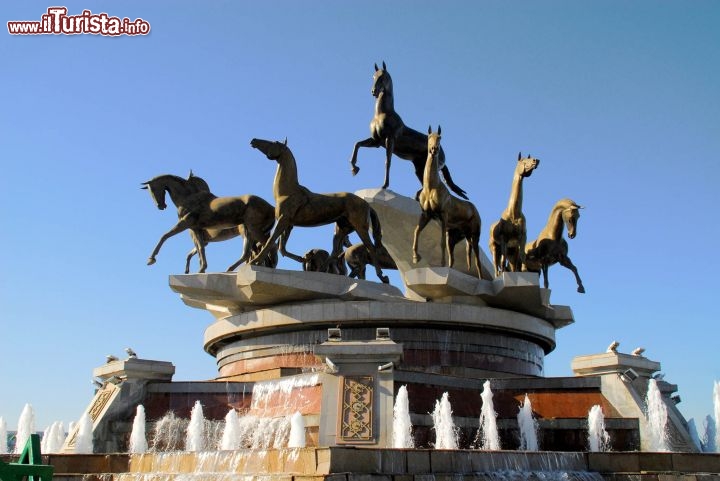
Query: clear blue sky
(618, 99)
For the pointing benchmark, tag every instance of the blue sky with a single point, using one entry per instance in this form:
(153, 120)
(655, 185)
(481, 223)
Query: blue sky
(618, 99)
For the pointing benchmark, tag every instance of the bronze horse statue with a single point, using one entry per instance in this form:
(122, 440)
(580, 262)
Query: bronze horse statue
(388, 130)
(318, 260)
(357, 258)
(509, 234)
(458, 218)
(296, 205)
(550, 247)
(199, 210)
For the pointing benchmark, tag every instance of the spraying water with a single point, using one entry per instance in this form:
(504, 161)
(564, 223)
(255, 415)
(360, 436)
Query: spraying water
(138, 441)
(694, 435)
(84, 439)
(231, 434)
(528, 427)
(708, 438)
(446, 434)
(195, 437)
(26, 426)
(490, 439)
(716, 406)
(656, 419)
(3, 436)
(53, 438)
(598, 437)
(402, 427)
(297, 431)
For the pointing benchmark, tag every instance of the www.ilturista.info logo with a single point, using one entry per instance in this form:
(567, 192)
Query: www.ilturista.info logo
(57, 21)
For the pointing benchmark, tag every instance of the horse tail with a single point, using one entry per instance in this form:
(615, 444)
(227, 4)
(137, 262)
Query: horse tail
(377, 230)
(454, 187)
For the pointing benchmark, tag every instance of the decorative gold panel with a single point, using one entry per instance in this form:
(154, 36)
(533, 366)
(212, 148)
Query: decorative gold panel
(356, 417)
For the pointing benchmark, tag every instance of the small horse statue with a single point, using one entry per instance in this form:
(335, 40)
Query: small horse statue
(357, 257)
(199, 210)
(509, 234)
(388, 130)
(550, 247)
(296, 205)
(459, 219)
(318, 260)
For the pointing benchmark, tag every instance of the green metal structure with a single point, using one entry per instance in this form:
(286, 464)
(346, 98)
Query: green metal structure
(29, 466)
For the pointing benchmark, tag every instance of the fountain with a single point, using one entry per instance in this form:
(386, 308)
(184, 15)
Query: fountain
(402, 426)
(84, 440)
(656, 418)
(26, 426)
(138, 441)
(231, 432)
(195, 437)
(297, 431)
(446, 435)
(53, 438)
(314, 361)
(528, 427)
(598, 437)
(3, 436)
(489, 439)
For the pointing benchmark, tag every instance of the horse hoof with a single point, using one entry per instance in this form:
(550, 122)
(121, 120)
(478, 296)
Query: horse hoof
(385, 279)
(151, 261)
(416, 259)
(355, 170)
(581, 290)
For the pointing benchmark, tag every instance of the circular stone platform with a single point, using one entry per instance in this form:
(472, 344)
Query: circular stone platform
(269, 320)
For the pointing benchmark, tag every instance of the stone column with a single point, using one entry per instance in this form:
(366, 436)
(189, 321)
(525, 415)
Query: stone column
(357, 399)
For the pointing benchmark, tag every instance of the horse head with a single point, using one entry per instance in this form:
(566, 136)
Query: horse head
(198, 184)
(157, 191)
(382, 82)
(273, 150)
(526, 165)
(570, 216)
(434, 140)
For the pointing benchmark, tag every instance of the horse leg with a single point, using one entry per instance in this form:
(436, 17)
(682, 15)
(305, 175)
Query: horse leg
(443, 240)
(280, 228)
(200, 246)
(283, 241)
(389, 148)
(422, 222)
(189, 257)
(544, 269)
(248, 243)
(177, 228)
(363, 143)
(566, 262)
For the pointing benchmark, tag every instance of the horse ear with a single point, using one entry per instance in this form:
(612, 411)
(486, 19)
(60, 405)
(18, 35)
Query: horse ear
(285, 142)
(190, 175)
(384, 67)
(519, 155)
(429, 129)
(439, 129)
(376, 67)
(144, 186)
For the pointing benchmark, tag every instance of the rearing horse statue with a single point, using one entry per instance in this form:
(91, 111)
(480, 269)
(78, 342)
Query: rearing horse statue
(388, 130)
(458, 218)
(550, 247)
(509, 234)
(296, 205)
(199, 210)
